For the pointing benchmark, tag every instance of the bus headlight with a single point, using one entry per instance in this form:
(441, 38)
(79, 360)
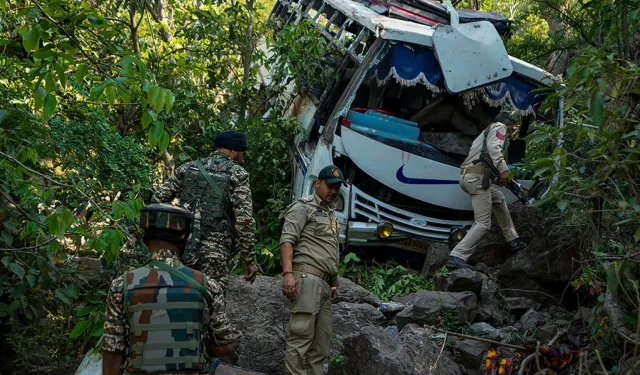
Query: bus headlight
(384, 230)
(455, 236)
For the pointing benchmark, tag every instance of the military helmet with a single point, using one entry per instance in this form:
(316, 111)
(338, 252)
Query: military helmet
(165, 217)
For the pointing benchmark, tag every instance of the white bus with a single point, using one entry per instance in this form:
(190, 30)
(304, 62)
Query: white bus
(416, 83)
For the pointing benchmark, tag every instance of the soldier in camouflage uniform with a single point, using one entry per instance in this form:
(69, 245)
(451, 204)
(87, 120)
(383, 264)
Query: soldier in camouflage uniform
(165, 317)
(217, 190)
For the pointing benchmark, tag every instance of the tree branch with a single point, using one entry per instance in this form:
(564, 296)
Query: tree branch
(22, 249)
(498, 343)
(16, 161)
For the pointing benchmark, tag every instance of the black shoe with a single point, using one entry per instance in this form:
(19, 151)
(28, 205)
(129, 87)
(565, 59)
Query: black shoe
(517, 245)
(456, 262)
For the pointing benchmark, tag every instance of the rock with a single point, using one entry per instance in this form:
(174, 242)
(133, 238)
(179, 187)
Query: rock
(391, 308)
(374, 351)
(492, 314)
(348, 291)
(261, 313)
(351, 318)
(583, 313)
(461, 280)
(531, 320)
(563, 323)
(517, 306)
(546, 333)
(436, 258)
(507, 334)
(471, 353)
(428, 307)
(424, 353)
(454, 142)
(484, 330)
(393, 330)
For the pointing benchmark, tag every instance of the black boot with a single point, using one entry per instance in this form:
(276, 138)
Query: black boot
(517, 245)
(455, 262)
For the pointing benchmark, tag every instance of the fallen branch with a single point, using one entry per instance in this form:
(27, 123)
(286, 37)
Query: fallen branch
(532, 356)
(532, 291)
(492, 342)
(435, 364)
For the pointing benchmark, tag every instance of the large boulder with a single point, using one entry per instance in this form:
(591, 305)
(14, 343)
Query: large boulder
(436, 257)
(461, 280)
(261, 313)
(424, 353)
(348, 320)
(374, 351)
(426, 307)
(348, 291)
(531, 320)
(517, 306)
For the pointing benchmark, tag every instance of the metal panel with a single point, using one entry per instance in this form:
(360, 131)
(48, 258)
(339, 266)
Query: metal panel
(471, 55)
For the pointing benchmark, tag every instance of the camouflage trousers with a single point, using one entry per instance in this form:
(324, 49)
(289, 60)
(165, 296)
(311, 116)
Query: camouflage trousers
(212, 258)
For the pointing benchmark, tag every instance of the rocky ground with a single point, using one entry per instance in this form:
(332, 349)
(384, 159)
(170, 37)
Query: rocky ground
(514, 300)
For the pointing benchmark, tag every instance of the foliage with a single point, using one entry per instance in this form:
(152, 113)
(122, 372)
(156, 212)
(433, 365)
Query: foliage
(384, 280)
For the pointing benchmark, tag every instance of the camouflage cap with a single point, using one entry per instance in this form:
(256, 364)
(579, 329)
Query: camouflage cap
(165, 216)
(331, 174)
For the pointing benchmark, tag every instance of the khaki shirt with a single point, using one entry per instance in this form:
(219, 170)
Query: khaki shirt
(312, 228)
(496, 136)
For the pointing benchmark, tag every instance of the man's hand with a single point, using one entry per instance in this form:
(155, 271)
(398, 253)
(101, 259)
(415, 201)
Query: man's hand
(250, 272)
(334, 292)
(504, 178)
(289, 287)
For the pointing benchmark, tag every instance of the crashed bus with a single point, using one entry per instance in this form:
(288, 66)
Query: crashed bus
(417, 81)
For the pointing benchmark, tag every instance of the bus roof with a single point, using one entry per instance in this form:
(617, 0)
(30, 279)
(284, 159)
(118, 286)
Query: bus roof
(411, 32)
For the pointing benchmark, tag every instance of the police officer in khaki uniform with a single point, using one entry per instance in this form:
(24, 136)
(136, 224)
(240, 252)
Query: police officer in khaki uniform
(309, 250)
(486, 201)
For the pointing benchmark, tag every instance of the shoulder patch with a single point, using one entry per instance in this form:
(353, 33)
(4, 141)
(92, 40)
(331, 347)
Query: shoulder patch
(306, 199)
(499, 135)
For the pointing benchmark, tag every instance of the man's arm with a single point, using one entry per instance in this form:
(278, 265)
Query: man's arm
(294, 222)
(495, 143)
(114, 340)
(171, 188)
(245, 224)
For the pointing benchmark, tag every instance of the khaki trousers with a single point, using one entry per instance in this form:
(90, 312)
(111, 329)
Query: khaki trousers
(309, 326)
(484, 202)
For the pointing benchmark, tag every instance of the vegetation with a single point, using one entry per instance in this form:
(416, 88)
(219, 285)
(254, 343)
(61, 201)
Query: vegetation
(100, 100)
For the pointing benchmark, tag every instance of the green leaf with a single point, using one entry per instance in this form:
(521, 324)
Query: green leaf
(153, 96)
(597, 107)
(30, 39)
(44, 52)
(636, 236)
(87, 310)
(49, 82)
(3, 115)
(4, 308)
(60, 294)
(38, 97)
(79, 328)
(612, 281)
(15, 305)
(61, 76)
(169, 98)
(6, 260)
(72, 290)
(3, 8)
(49, 105)
(97, 21)
(126, 63)
(7, 237)
(110, 93)
(81, 72)
(562, 205)
(31, 279)
(97, 331)
(97, 91)
(155, 133)
(56, 226)
(96, 299)
(17, 269)
(147, 118)
(164, 141)
(67, 217)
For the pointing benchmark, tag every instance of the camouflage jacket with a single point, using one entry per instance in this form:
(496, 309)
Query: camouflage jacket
(218, 329)
(239, 194)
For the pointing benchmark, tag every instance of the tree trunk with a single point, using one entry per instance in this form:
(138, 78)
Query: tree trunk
(248, 53)
(626, 46)
(475, 4)
(135, 36)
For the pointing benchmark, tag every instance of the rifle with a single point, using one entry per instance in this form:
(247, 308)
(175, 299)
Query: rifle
(492, 173)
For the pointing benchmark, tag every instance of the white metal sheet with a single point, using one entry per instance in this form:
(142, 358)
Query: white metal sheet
(471, 55)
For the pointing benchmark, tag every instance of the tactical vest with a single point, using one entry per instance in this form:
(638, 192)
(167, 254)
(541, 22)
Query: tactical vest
(165, 314)
(214, 210)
